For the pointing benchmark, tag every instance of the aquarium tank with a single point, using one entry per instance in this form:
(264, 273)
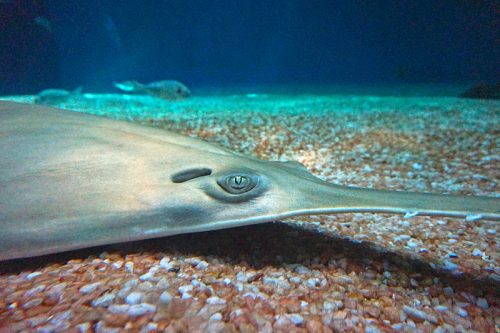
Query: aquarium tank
(249, 166)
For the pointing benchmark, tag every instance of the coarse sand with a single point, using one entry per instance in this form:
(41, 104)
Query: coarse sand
(340, 273)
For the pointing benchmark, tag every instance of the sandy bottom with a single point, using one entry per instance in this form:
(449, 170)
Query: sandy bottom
(346, 272)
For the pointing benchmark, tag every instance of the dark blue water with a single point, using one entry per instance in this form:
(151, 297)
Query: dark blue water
(258, 43)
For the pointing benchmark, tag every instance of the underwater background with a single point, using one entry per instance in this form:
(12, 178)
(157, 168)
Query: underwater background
(399, 95)
(252, 44)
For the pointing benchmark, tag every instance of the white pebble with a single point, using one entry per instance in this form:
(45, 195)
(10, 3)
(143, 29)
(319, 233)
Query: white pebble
(461, 312)
(215, 300)
(117, 264)
(295, 318)
(104, 300)
(33, 275)
(84, 327)
(482, 303)
(413, 243)
(129, 266)
(35, 290)
(165, 263)
(401, 238)
(133, 298)
(276, 282)
(149, 276)
(186, 295)
(301, 269)
(57, 290)
(448, 291)
(185, 288)
(32, 303)
(163, 284)
(141, 309)
(46, 329)
(118, 308)
(165, 297)
(477, 252)
(440, 308)
(473, 217)
(149, 327)
(371, 329)
(216, 317)
(409, 215)
(417, 166)
(202, 265)
(227, 281)
(192, 261)
(419, 314)
(88, 288)
(449, 266)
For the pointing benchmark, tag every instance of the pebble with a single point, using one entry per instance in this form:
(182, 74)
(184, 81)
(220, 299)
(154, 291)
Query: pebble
(400, 238)
(482, 303)
(477, 252)
(295, 318)
(440, 308)
(119, 308)
(89, 288)
(165, 263)
(33, 275)
(276, 282)
(165, 297)
(202, 265)
(32, 303)
(418, 314)
(129, 266)
(141, 309)
(448, 291)
(149, 276)
(449, 266)
(215, 300)
(83, 327)
(413, 243)
(104, 300)
(461, 312)
(46, 329)
(216, 317)
(372, 329)
(134, 298)
(301, 269)
(185, 289)
(35, 290)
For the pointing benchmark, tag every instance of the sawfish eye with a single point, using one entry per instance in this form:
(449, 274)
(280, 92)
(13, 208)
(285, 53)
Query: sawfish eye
(237, 183)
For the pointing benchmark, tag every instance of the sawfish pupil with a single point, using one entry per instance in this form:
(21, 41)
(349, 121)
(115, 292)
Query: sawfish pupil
(238, 183)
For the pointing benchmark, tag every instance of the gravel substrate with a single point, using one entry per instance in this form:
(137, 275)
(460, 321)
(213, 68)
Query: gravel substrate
(340, 273)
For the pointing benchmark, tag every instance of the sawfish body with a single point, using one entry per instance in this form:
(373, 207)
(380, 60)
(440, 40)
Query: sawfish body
(70, 180)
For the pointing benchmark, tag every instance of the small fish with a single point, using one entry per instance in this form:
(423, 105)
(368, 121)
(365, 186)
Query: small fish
(169, 90)
(57, 96)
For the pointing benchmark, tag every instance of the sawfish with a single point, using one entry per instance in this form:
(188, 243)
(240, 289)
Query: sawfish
(70, 180)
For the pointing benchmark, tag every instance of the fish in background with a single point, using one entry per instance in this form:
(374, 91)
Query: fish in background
(57, 96)
(169, 90)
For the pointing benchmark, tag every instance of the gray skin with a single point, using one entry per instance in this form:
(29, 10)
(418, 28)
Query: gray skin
(169, 90)
(70, 180)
